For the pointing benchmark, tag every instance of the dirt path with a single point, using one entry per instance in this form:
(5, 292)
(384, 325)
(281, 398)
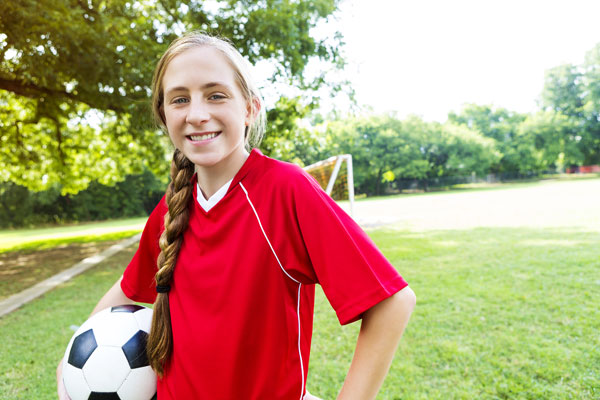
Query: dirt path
(560, 204)
(22, 269)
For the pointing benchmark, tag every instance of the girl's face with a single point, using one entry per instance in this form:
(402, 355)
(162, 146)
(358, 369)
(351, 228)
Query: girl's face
(204, 109)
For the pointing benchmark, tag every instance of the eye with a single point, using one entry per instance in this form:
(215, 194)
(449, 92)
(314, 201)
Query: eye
(217, 96)
(179, 100)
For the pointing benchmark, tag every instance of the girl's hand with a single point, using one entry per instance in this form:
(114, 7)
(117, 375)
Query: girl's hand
(60, 385)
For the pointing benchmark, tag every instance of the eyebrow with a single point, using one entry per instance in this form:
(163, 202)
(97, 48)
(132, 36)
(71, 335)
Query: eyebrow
(203, 87)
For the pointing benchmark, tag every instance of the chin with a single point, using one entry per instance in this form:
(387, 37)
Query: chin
(206, 162)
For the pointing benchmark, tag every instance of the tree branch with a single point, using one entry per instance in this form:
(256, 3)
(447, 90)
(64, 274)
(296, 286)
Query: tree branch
(34, 91)
(168, 10)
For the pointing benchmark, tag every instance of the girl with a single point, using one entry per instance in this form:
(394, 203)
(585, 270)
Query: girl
(231, 254)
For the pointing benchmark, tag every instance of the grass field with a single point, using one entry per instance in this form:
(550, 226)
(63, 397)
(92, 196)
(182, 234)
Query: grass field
(33, 239)
(507, 307)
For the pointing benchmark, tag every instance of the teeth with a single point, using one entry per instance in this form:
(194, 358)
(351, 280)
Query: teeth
(199, 138)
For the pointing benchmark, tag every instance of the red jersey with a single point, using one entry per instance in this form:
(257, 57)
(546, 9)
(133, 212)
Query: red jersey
(242, 292)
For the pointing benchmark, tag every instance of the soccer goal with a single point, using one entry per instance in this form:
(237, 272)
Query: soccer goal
(335, 179)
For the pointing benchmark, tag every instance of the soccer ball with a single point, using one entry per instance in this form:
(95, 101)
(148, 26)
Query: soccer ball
(106, 357)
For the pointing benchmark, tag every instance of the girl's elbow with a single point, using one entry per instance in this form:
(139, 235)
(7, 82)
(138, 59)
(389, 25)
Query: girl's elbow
(406, 298)
(392, 312)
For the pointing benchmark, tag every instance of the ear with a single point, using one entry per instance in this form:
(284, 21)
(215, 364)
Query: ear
(252, 110)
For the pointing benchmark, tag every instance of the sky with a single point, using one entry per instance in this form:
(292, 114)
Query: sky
(430, 57)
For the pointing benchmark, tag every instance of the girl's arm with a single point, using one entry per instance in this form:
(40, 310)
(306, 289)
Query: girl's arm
(381, 330)
(113, 297)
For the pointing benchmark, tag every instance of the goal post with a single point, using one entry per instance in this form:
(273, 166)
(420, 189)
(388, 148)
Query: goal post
(338, 182)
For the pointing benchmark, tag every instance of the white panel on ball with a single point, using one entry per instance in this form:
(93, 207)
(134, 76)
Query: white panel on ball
(107, 335)
(106, 369)
(144, 319)
(135, 386)
(75, 382)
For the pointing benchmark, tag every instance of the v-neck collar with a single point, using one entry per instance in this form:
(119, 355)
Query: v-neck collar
(242, 172)
(209, 203)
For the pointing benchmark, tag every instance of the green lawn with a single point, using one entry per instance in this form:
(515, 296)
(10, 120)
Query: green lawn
(28, 239)
(35, 336)
(507, 282)
(502, 313)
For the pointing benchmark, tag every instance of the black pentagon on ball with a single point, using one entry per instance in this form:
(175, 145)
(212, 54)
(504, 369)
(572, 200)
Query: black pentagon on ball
(128, 308)
(82, 348)
(135, 350)
(104, 396)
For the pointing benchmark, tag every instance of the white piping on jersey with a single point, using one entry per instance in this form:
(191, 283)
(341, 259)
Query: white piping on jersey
(299, 347)
(263, 231)
(289, 276)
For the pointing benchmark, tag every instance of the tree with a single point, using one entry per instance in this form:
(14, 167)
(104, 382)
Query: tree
(563, 90)
(383, 148)
(75, 76)
(468, 151)
(574, 91)
(555, 139)
(375, 147)
(590, 143)
(496, 123)
(287, 137)
(386, 149)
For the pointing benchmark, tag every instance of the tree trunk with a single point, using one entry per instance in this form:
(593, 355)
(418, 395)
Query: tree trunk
(378, 183)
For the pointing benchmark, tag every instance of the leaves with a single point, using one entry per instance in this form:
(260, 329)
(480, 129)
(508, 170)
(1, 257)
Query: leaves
(75, 77)
(574, 91)
(386, 149)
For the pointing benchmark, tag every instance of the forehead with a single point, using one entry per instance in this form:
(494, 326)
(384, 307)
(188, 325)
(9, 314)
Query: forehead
(197, 66)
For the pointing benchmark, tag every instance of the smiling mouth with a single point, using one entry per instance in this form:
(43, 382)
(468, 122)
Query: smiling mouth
(204, 136)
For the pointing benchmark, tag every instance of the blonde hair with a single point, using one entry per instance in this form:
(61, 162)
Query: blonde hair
(179, 191)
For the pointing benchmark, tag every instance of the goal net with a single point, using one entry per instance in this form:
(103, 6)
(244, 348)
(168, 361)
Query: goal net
(335, 177)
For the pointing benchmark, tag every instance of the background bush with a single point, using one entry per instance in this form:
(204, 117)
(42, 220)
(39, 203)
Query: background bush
(136, 196)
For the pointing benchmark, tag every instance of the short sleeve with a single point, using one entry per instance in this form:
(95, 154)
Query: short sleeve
(138, 278)
(352, 271)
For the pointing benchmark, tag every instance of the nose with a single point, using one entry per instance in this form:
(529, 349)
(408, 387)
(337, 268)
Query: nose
(197, 113)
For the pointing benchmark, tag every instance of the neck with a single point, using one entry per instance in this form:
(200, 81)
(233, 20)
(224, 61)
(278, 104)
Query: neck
(212, 178)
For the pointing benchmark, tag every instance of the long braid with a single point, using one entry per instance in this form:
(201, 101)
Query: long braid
(179, 192)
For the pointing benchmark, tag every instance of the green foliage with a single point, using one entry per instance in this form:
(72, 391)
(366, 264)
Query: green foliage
(286, 138)
(468, 151)
(590, 141)
(75, 77)
(574, 91)
(378, 145)
(500, 125)
(137, 195)
(383, 147)
(555, 139)
(563, 90)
